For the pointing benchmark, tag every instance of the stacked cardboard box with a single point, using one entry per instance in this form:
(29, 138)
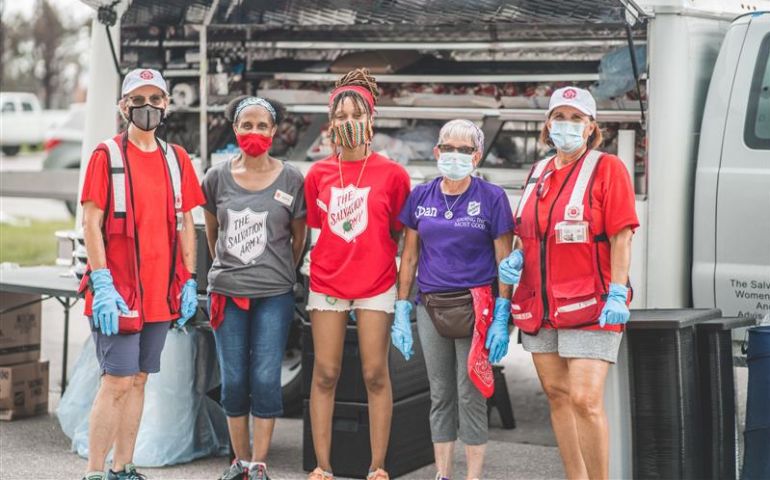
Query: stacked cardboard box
(23, 377)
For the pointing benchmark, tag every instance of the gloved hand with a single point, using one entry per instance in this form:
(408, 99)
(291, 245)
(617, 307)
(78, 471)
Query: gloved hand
(509, 269)
(615, 310)
(401, 332)
(497, 335)
(107, 304)
(189, 302)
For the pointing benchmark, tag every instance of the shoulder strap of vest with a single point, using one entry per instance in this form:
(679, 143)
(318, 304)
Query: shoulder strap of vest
(117, 178)
(537, 170)
(584, 176)
(175, 173)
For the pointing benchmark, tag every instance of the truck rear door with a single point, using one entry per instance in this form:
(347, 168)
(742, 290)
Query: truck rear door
(742, 247)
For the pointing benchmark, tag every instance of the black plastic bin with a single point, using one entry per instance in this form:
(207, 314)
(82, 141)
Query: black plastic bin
(668, 429)
(410, 444)
(717, 387)
(407, 378)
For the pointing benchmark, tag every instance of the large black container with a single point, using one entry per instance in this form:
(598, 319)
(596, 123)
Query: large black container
(756, 459)
(203, 258)
(667, 425)
(717, 394)
(406, 378)
(410, 444)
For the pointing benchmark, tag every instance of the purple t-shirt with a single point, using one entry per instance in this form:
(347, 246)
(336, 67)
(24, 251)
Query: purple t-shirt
(460, 252)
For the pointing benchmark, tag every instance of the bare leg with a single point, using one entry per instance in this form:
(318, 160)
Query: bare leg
(554, 377)
(131, 417)
(474, 455)
(328, 340)
(239, 436)
(444, 453)
(374, 344)
(586, 387)
(263, 433)
(106, 415)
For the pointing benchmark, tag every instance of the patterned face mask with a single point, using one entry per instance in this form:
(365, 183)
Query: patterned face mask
(351, 134)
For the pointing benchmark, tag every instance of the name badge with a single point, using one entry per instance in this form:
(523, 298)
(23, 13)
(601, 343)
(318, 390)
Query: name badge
(572, 232)
(283, 197)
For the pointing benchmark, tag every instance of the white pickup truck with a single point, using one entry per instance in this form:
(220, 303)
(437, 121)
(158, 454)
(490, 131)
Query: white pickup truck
(23, 121)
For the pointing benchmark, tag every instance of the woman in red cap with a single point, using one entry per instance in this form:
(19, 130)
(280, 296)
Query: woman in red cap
(354, 197)
(575, 219)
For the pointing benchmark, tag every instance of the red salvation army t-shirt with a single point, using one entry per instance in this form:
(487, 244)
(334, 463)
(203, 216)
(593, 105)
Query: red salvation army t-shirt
(355, 254)
(148, 173)
(614, 204)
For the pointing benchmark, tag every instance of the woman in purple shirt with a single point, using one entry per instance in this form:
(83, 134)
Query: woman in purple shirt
(458, 228)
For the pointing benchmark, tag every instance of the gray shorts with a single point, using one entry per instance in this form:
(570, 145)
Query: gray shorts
(574, 343)
(125, 355)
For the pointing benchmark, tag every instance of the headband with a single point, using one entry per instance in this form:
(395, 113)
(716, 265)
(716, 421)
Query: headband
(249, 101)
(364, 92)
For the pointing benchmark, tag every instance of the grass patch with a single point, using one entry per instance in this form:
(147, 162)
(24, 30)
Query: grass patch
(33, 244)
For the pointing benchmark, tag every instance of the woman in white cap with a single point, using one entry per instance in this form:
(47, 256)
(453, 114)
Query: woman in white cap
(575, 220)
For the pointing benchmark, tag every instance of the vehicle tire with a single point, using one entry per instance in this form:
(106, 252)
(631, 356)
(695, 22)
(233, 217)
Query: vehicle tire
(11, 150)
(291, 370)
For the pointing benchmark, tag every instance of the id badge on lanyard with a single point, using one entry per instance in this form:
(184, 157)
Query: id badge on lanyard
(573, 229)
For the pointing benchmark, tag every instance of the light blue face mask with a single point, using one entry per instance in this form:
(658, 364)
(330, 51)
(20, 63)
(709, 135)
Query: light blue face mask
(455, 165)
(567, 136)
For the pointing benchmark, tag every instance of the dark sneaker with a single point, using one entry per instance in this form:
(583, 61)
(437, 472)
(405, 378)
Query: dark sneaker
(236, 472)
(129, 473)
(258, 471)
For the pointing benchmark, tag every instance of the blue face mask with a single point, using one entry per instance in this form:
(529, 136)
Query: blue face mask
(567, 136)
(455, 165)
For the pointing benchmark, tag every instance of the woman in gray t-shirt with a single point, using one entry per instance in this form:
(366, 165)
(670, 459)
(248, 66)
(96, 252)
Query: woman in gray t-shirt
(255, 227)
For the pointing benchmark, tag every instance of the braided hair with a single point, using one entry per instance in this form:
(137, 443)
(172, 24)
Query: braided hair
(360, 77)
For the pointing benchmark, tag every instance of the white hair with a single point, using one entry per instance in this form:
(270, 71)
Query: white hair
(461, 129)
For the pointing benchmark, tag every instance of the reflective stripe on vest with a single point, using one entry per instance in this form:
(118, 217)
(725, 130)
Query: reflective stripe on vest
(584, 176)
(530, 187)
(117, 172)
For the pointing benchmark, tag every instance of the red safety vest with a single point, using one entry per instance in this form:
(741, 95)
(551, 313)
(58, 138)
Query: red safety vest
(121, 241)
(563, 285)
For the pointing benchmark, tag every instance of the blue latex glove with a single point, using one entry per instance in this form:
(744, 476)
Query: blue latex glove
(615, 310)
(509, 269)
(107, 304)
(189, 302)
(497, 335)
(401, 332)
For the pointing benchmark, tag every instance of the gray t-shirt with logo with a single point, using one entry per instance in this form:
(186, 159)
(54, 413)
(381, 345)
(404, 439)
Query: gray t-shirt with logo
(253, 250)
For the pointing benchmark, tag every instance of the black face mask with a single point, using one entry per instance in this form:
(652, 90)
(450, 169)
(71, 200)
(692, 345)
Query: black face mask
(146, 117)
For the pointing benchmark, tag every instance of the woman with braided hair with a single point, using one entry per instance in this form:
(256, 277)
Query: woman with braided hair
(354, 197)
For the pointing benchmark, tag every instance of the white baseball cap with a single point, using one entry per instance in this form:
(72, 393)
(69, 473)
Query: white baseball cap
(573, 97)
(140, 77)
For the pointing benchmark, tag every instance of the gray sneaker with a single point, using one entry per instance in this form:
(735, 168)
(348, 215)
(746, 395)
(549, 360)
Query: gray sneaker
(94, 476)
(128, 473)
(236, 472)
(258, 471)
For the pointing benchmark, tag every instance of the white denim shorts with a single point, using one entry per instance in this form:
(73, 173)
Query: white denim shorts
(384, 302)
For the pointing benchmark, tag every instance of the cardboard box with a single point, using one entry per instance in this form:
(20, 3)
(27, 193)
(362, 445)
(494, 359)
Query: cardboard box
(19, 328)
(23, 390)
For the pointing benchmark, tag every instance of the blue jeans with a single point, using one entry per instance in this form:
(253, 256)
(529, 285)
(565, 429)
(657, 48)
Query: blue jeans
(250, 347)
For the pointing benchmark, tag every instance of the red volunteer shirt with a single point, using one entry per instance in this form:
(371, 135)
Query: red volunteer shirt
(149, 195)
(355, 254)
(614, 204)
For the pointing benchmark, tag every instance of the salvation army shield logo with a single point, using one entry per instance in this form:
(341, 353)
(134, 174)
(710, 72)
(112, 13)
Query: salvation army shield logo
(348, 211)
(246, 234)
(474, 208)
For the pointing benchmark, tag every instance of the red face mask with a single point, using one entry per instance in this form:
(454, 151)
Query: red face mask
(254, 144)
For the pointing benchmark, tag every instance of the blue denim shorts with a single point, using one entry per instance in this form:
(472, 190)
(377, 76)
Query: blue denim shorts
(250, 348)
(125, 355)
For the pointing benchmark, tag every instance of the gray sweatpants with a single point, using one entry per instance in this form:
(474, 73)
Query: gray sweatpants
(454, 400)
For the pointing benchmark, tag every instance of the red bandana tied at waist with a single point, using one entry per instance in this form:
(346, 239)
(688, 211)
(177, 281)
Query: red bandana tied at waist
(479, 368)
(217, 310)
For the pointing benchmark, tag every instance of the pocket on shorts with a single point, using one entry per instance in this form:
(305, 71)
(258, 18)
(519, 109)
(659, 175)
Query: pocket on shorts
(576, 302)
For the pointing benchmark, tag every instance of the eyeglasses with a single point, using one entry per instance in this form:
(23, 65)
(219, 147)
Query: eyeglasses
(444, 148)
(141, 100)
